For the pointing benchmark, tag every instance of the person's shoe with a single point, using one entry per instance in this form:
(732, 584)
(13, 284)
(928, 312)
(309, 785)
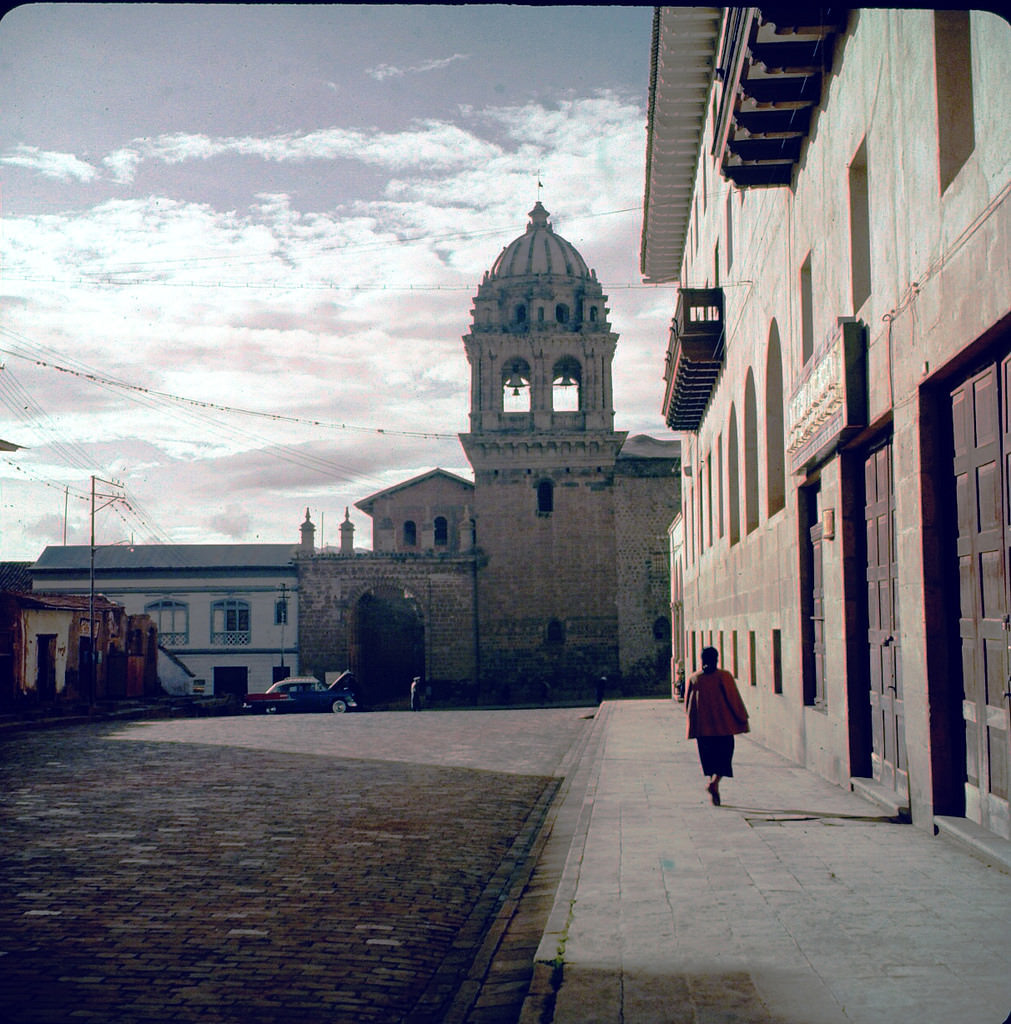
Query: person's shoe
(714, 793)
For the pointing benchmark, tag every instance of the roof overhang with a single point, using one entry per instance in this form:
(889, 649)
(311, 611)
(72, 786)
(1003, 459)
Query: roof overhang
(685, 41)
(769, 66)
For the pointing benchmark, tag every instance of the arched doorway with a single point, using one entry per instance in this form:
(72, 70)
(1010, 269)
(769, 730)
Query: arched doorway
(386, 644)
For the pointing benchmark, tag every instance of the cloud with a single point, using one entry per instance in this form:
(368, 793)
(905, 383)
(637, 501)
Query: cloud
(426, 144)
(231, 521)
(383, 71)
(50, 164)
(350, 314)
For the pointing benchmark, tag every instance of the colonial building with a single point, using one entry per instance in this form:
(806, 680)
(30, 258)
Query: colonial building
(550, 569)
(227, 612)
(829, 190)
(45, 645)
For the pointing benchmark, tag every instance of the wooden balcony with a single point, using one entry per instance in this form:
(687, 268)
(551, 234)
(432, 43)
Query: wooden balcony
(695, 356)
(773, 62)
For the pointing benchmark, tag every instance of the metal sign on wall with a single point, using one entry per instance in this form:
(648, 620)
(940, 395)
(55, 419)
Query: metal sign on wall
(829, 403)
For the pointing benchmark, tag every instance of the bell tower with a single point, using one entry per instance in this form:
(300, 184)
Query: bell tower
(543, 448)
(540, 347)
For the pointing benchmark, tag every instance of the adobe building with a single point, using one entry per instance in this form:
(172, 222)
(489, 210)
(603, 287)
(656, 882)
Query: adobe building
(550, 570)
(45, 645)
(832, 195)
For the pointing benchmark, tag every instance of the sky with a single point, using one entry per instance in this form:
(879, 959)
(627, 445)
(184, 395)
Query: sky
(239, 247)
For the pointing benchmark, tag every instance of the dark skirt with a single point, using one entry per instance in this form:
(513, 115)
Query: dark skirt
(717, 755)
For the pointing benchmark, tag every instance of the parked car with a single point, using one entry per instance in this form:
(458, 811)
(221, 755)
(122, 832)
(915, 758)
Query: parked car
(305, 693)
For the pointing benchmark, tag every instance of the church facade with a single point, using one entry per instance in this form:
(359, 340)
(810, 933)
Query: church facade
(550, 570)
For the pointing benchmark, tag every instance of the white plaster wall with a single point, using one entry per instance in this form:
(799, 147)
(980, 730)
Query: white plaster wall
(941, 273)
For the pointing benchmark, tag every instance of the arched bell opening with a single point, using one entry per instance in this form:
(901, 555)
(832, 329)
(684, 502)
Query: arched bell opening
(516, 386)
(566, 385)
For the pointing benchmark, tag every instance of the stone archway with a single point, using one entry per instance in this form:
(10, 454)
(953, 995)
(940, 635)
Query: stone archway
(386, 644)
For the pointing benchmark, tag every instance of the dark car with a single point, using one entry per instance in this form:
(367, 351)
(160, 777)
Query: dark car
(305, 693)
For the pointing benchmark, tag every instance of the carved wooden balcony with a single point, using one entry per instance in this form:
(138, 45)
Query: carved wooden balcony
(695, 356)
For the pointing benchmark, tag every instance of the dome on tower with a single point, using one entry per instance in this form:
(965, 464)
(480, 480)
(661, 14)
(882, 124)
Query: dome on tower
(539, 251)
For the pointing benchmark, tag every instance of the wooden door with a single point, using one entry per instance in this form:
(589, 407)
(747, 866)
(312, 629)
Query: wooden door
(888, 737)
(982, 446)
(45, 684)
(816, 533)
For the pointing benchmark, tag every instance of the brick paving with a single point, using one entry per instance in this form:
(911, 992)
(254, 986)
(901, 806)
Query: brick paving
(269, 869)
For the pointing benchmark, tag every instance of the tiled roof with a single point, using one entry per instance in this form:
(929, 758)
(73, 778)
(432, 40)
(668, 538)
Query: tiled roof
(15, 576)
(64, 602)
(141, 557)
(366, 503)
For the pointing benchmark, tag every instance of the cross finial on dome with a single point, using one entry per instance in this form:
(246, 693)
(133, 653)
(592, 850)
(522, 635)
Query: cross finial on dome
(538, 217)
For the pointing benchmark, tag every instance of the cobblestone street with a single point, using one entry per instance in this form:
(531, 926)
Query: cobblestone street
(261, 869)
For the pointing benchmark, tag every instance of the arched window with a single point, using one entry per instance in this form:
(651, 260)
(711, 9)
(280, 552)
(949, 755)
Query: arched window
(733, 479)
(545, 497)
(719, 485)
(441, 532)
(521, 314)
(661, 629)
(565, 385)
(410, 534)
(172, 618)
(540, 314)
(562, 313)
(750, 454)
(555, 633)
(230, 623)
(775, 456)
(516, 386)
(593, 314)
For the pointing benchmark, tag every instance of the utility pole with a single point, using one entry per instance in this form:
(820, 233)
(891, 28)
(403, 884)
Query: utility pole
(284, 617)
(108, 499)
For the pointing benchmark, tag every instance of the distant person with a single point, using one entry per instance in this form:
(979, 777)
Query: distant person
(716, 714)
(416, 693)
(601, 688)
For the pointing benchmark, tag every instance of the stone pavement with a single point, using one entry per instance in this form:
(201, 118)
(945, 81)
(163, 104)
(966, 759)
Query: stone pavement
(796, 902)
(271, 869)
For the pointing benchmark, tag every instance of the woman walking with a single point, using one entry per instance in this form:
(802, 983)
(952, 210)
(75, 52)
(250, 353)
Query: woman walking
(716, 714)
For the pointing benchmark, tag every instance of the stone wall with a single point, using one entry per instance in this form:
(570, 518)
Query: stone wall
(439, 589)
(548, 620)
(647, 496)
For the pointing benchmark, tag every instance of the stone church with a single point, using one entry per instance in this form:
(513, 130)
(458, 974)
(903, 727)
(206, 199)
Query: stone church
(551, 569)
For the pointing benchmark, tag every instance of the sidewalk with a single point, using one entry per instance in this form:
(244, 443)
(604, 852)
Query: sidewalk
(796, 902)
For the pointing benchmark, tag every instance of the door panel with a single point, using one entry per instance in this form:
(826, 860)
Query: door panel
(980, 414)
(888, 739)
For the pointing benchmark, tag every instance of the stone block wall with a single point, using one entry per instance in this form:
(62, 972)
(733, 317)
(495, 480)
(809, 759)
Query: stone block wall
(647, 497)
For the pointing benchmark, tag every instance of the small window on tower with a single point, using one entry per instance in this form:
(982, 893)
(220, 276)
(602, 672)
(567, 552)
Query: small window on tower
(562, 313)
(521, 314)
(540, 314)
(441, 532)
(593, 314)
(545, 497)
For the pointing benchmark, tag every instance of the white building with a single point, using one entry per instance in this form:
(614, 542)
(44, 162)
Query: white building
(228, 612)
(830, 190)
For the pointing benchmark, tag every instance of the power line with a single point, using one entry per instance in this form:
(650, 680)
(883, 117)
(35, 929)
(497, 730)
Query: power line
(95, 378)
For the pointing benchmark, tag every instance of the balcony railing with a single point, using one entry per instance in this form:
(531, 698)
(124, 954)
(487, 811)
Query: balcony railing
(231, 638)
(695, 356)
(173, 639)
